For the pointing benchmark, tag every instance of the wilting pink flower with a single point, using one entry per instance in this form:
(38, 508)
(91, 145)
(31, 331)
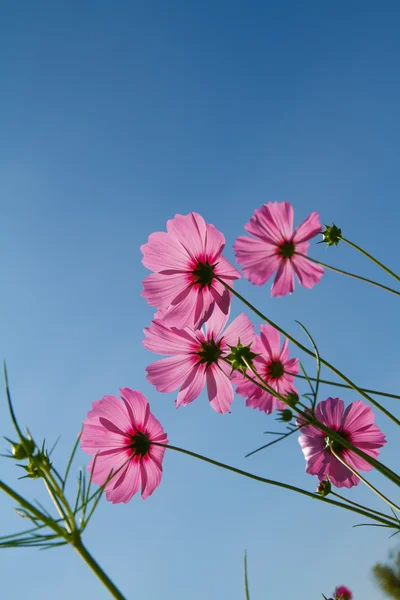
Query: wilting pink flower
(119, 435)
(343, 593)
(274, 366)
(356, 425)
(274, 248)
(185, 261)
(196, 358)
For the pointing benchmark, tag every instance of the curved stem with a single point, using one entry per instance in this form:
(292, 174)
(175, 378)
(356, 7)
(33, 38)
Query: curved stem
(97, 570)
(310, 418)
(357, 474)
(343, 385)
(57, 504)
(353, 275)
(359, 505)
(386, 521)
(311, 353)
(376, 261)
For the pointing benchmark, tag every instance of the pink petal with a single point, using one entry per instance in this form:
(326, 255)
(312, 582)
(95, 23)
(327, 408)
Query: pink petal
(160, 289)
(273, 222)
(214, 244)
(241, 329)
(137, 406)
(225, 270)
(284, 280)
(308, 229)
(182, 310)
(357, 416)
(127, 484)
(330, 412)
(166, 340)
(219, 388)
(151, 477)
(215, 324)
(309, 273)
(192, 387)
(163, 252)
(264, 402)
(112, 409)
(168, 374)
(271, 341)
(221, 296)
(190, 231)
(96, 437)
(258, 259)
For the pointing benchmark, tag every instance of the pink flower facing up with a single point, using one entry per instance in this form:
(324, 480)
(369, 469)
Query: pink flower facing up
(197, 358)
(356, 425)
(119, 435)
(343, 593)
(185, 261)
(274, 246)
(273, 365)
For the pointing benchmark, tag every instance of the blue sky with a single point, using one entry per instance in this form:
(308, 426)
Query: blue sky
(116, 116)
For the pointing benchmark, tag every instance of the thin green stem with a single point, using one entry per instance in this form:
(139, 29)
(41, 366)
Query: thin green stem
(377, 512)
(32, 510)
(376, 261)
(343, 385)
(97, 570)
(310, 418)
(353, 275)
(311, 353)
(246, 580)
(58, 506)
(367, 483)
(364, 513)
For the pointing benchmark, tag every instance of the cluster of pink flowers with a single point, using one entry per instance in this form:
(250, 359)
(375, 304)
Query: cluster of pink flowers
(190, 286)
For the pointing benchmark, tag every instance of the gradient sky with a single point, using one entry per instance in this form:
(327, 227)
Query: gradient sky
(114, 117)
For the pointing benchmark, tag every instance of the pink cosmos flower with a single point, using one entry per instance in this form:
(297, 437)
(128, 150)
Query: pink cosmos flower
(343, 593)
(185, 261)
(273, 364)
(356, 425)
(119, 435)
(196, 358)
(274, 246)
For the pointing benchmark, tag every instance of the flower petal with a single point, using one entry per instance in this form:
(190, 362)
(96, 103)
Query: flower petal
(284, 280)
(192, 387)
(309, 273)
(308, 229)
(219, 388)
(168, 374)
(258, 259)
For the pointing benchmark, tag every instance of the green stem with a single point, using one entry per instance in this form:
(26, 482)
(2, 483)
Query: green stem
(57, 504)
(310, 353)
(377, 262)
(365, 513)
(32, 510)
(97, 570)
(310, 419)
(356, 504)
(369, 485)
(343, 385)
(353, 275)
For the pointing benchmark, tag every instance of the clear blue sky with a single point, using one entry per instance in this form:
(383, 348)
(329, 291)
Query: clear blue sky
(114, 116)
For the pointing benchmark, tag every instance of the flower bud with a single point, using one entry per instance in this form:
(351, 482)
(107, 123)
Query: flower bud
(324, 488)
(285, 415)
(292, 399)
(23, 449)
(37, 464)
(239, 356)
(331, 235)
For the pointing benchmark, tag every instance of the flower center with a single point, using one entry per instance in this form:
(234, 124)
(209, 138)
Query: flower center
(275, 369)
(210, 352)
(140, 443)
(203, 273)
(287, 249)
(337, 447)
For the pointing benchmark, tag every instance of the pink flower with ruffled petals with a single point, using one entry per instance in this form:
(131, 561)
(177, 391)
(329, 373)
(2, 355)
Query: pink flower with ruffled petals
(196, 358)
(119, 435)
(274, 248)
(274, 366)
(185, 262)
(356, 425)
(343, 593)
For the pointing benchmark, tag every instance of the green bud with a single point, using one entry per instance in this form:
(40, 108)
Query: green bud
(285, 415)
(331, 235)
(23, 449)
(239, 356)
(37, 464)
(324, 488)
(292, 399)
